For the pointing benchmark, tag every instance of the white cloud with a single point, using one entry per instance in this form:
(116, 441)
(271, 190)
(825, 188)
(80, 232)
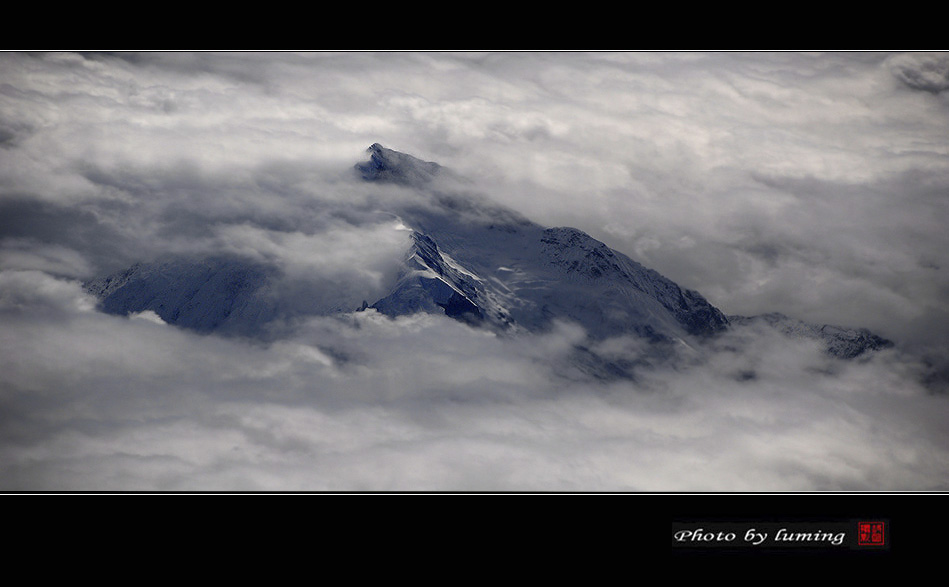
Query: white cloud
(807, 184)
(424, 402)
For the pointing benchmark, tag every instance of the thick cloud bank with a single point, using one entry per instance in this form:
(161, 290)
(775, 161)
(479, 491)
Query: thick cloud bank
(812, 185)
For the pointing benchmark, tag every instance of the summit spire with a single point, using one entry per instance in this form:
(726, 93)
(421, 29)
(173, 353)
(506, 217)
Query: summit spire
(388, 165)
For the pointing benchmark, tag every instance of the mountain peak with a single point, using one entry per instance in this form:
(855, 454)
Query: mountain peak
(469, 259)
(389, 165)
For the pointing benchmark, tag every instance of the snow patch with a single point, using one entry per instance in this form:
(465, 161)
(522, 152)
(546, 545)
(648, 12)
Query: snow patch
(147, 316)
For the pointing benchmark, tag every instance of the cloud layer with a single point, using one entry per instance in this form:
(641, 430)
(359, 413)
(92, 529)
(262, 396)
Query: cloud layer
(813, 185)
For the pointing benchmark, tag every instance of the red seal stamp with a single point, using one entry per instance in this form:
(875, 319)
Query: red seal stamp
(871, 534)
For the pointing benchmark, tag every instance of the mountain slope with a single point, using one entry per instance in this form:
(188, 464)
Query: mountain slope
(217, 294)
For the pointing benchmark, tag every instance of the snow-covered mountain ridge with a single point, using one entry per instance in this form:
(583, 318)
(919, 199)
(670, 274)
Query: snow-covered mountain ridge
(845, 343)
(468, 258)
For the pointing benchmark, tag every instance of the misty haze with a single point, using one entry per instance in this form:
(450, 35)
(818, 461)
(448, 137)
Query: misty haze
(499, 271)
